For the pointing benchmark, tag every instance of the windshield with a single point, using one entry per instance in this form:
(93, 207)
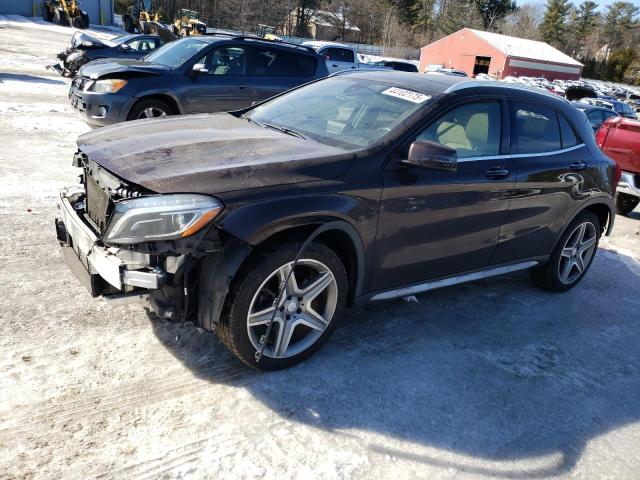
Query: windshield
(174, 54)
(122, 39)
(344, 112)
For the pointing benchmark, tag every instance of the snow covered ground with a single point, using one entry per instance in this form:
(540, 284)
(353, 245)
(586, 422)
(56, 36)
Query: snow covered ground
(494, 379)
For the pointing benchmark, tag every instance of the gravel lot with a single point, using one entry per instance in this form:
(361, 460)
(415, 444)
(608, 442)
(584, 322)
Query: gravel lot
(494, 379)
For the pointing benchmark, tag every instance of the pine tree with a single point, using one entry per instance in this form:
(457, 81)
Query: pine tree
(583, 22)
(492, 11)
(553, 26)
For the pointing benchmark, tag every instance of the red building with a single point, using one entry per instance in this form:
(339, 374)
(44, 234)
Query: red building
(474, 51)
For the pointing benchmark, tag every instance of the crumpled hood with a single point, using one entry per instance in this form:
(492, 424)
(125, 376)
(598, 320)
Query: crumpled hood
(84, 39)
(108, 66)
(209, 153)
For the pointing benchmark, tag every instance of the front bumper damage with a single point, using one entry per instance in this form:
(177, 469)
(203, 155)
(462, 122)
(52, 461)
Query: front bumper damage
(101, 269)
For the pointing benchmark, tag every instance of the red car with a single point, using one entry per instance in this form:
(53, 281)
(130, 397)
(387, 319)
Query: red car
(619, 138)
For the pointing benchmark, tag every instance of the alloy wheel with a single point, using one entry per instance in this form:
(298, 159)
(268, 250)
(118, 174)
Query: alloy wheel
(152, 112)
(577, 252)
(304, 313)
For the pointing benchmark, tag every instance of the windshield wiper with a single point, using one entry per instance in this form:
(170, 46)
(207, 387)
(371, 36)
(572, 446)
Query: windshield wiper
(288, 131)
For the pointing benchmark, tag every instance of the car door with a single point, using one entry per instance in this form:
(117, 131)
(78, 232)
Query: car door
(436, 223)
(553, 173)
(223, 82)
(338, 59)
(273, 71)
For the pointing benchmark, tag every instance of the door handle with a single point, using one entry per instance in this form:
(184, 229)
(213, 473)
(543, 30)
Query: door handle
(497, 173)
(577, 166)
(242, 87)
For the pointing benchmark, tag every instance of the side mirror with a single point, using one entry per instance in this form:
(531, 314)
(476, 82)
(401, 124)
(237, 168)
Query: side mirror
(200, 68)
(431, 155)
(124, 47)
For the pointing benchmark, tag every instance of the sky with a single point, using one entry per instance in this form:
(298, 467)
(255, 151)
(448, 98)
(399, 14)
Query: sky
(602, 3)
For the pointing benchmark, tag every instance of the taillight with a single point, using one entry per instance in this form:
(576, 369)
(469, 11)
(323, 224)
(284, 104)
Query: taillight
(601, 135)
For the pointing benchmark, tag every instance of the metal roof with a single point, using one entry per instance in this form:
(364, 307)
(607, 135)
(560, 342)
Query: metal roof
(521, 47)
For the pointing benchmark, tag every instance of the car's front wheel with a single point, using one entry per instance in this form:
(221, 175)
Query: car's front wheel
(572, 256)
(149, 109)
(314, 295)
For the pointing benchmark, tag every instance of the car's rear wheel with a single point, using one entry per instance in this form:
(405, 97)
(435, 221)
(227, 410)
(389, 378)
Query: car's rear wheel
(150, 109)
(572, 256)
(626, 203)
(305, 317)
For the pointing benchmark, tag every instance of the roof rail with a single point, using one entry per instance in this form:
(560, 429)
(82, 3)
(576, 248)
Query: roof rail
(261, 39)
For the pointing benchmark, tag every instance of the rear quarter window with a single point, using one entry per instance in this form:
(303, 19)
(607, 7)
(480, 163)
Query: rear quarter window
(534, 128)
(568, 134)
(303, 65)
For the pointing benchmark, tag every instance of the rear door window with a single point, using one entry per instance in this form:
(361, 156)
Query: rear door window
(534, 128)
(271, 62)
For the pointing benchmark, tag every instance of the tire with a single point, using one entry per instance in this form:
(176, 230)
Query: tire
(184, 32)
(139, 110)
(573, 255)
(626, 203)
(57, 16)
(143, 27)
(46, 13)
(81, 21)
(129, 26)
(255, 286)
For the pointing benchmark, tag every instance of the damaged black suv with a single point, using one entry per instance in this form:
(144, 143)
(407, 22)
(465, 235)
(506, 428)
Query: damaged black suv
(264, 224)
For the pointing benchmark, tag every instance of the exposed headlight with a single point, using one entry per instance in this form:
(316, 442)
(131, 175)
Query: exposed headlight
(111, 85)
(74, 56)
(162, 217)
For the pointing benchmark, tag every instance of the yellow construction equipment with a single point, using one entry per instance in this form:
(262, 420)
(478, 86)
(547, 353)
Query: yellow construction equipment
(65, 12)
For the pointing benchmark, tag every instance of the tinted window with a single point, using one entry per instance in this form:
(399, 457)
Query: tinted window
(569, 138)
(403, 67)
(595, 118)
(271, 62)
(227, 60)
(471, 130)
(303, 66)
(338, 55)
(609, 115)
(534, 129)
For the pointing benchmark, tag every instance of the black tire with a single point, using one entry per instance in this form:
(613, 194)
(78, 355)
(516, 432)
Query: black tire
(143, 27)
(141, 106)
(232, 327)
(81, 21)
(128, 23)
(548, 276)
(46, 13)
(57, 16)
(625, 204)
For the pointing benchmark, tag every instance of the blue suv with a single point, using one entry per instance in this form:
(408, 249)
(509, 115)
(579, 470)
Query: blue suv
(192, 75)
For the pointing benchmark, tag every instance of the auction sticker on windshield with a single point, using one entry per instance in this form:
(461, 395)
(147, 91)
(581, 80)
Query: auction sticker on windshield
(414, 97)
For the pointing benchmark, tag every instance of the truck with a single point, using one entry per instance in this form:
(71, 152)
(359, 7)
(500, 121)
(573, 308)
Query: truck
(341, 57)
(619, 139)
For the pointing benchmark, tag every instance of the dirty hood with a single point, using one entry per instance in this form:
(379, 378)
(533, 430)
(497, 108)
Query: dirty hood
(109, 66)
(209, 153)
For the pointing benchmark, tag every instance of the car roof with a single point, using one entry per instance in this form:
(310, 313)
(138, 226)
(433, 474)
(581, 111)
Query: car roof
(222, 37)
(433, 83)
